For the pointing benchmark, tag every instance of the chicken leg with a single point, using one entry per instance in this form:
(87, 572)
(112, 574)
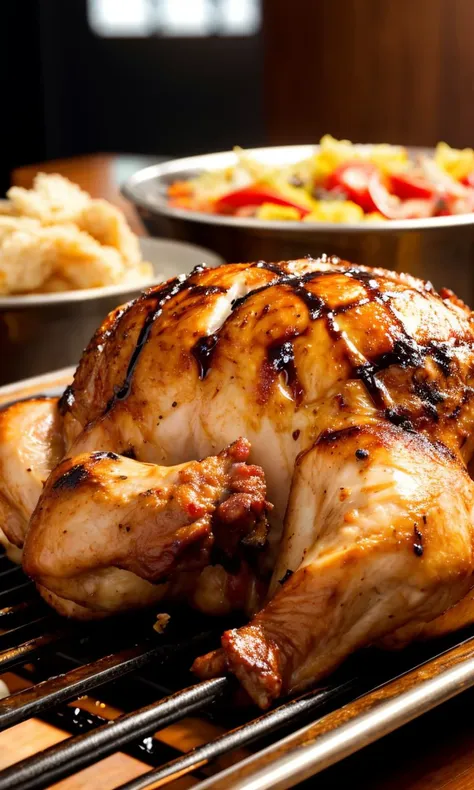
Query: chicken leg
(110, 533)
(378, 533)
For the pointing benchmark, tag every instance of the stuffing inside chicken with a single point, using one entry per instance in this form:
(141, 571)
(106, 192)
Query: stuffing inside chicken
(354, 387)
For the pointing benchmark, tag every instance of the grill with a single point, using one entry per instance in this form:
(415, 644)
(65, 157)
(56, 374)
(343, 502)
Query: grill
(67, 669)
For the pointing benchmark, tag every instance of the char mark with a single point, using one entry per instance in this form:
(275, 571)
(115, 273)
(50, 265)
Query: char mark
(203, 352)
(281, 359)
(71, 479)
(101, 455)
(430, 397)
(442, 354)
(66, 401)
(330, 437)
(400, 418)
(418, 542)
(161, 297)
(270, 267)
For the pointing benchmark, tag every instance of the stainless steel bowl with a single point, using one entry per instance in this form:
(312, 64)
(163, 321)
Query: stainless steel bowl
(439, 249)
(42, 332)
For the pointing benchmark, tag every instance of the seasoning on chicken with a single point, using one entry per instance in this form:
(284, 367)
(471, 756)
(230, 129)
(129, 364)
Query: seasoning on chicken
(354, 387)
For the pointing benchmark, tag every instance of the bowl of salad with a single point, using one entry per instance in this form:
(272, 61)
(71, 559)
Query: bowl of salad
(410, 209)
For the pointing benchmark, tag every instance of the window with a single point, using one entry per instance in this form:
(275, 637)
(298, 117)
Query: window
(132, 18)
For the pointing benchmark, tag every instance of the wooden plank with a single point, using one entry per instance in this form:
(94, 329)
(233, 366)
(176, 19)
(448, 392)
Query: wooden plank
(370, 71)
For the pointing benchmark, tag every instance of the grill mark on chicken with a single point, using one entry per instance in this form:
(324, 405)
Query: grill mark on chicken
(430, 396)
(406, 352)
(72, 478)
(66, 401)
(280, 359)
(79, 473)
(270, 267)
(442, 354)
(173, 288)
(203, 351)
(418, 543)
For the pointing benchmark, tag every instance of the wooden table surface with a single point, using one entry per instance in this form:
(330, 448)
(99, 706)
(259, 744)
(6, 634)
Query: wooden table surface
(434, 752)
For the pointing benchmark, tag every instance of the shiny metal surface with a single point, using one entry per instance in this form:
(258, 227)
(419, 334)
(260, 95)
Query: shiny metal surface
(42, 332)
(313, 748)
(439, 249)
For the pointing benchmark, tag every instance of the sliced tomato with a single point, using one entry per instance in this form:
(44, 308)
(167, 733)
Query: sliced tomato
(353, 178)
(254, 196)
(468, 180)
(393, 208)
(407, 186)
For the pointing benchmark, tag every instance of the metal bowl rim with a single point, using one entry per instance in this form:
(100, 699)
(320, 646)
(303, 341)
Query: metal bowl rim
(175, 166)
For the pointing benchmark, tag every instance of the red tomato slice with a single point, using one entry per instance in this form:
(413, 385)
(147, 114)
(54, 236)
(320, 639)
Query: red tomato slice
(254, 196)
(468, 180)
(353, 177)
(407, 186)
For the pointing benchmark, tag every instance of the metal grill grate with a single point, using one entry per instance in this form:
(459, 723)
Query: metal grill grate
(124, 663)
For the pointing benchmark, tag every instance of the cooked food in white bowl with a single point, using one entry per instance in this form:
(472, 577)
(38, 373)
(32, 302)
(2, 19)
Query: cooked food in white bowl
(55, 237)
(339, 182)
(340, 394)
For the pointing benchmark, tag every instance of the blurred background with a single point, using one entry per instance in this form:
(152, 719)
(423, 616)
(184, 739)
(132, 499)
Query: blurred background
(176, 77)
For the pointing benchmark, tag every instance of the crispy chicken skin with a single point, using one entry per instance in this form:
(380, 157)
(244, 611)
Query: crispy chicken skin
(354, 387)
(111, 533)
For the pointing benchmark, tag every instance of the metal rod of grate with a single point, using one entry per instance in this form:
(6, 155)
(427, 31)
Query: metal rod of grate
(245, 734)
(45, 695)
(76, 753)
(319, 745)
(451, 671)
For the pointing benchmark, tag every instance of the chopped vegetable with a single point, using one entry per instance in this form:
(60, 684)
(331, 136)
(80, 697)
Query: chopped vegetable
(340, 182)
(335, 211)
(458, 164)
(391, 207)
(407, 186)
(255, 196)
(353, 178)
(278, 212)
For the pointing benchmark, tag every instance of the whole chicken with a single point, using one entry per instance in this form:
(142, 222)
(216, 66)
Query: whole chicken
(354, 387)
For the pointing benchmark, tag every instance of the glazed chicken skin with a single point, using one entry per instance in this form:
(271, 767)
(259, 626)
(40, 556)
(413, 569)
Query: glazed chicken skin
(354, 388)
(31, 444)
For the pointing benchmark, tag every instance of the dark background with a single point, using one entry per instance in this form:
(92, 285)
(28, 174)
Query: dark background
(394, 71)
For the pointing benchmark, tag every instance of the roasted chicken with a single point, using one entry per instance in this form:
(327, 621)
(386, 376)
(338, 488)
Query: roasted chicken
(354, 387)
